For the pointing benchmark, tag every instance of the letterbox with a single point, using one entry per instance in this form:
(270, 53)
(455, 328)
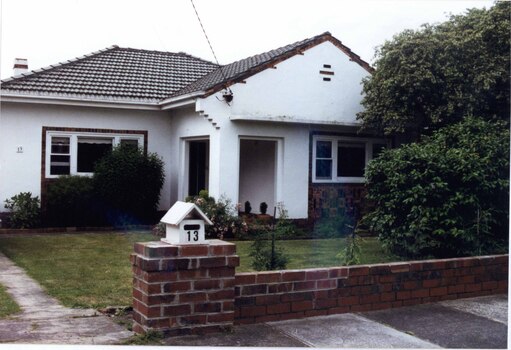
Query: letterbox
(185, 224)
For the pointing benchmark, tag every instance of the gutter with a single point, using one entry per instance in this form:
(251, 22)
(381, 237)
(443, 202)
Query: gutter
(290, 120)
(179, 101)
(77, 101)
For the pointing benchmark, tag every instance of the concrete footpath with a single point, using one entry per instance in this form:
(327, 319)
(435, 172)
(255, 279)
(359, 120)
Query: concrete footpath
(474, 323)
(44, 321)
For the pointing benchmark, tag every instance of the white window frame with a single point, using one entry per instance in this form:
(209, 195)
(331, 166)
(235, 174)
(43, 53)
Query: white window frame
(73, 147)
(335, 140)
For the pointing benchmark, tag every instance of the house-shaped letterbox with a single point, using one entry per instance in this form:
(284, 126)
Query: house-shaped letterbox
(184, 224)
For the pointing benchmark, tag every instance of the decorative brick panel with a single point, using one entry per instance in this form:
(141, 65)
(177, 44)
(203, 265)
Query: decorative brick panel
(180, 289)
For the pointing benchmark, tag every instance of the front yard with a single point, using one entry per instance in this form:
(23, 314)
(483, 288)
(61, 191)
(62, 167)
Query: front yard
(93, 269)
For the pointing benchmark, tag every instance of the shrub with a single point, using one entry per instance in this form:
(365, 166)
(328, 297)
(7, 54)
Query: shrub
(25, 210)
(446, 196)
(128, 182)
(159, 230)
(266, 256)
(350, 254)
(222, 215)
(264, 252)
(70, 201)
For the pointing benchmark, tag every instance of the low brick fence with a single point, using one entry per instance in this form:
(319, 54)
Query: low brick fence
(283, 295)
(181, 289)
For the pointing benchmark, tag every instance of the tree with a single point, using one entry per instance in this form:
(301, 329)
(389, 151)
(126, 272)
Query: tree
(445, 196)
(435, 76)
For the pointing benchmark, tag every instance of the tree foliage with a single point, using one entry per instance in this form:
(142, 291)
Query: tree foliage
(435, 76)
(445, 196)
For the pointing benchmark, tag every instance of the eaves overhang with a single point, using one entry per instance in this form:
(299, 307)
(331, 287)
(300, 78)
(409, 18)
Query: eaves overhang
(180, 101)
(291, 120)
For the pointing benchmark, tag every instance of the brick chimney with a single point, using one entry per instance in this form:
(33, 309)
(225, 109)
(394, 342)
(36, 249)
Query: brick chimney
(20, 66)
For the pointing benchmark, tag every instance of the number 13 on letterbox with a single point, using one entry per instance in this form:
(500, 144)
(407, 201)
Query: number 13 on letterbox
(184, 224)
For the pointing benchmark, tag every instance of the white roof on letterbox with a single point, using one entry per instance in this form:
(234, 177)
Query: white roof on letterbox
(181, 211)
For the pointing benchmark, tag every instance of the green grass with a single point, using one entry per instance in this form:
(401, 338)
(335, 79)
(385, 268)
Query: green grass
(81, 270)
(93, 269)
(317, 253)
(7, 305)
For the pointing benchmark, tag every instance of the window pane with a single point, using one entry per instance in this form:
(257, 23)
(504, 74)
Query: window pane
(60, 145)
(59, 165)
(323, 149)
(351, 160)
(90, 150)
(377, 149)
(323, 169)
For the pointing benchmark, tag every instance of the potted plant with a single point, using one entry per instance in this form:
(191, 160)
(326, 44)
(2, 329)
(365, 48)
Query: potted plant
(248, 207)
(263, 208)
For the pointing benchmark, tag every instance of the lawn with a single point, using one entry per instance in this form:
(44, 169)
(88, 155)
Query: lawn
(80, 270)
(7, 305)
(317, 252)
(93, 269)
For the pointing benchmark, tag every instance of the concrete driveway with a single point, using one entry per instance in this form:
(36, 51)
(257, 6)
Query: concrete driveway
(465, 323)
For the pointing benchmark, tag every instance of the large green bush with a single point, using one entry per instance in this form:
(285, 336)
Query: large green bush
(70, 201)
(446, 196)
(25, 210)
(127, 182)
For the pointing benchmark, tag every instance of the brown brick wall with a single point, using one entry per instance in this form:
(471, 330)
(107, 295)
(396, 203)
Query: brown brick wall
(331, 200)
(282, 295)
(181, 289)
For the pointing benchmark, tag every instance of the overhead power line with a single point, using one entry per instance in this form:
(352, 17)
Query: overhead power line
(209, 43)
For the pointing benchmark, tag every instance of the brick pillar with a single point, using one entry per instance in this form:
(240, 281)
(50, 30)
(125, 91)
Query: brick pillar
(183, 289)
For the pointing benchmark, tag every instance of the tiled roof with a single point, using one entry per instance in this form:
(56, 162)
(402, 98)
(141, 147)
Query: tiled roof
(114, 73)
(151, 76)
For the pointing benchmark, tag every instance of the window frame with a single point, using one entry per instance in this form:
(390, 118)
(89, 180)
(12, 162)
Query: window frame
(335, 141)
(73, 147)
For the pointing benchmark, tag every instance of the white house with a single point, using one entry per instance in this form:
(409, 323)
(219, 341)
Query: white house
(275, 127)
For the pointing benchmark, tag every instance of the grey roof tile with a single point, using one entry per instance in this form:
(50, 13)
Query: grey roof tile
(114, 72)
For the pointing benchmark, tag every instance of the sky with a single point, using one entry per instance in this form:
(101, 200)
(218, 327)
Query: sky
(50, 31)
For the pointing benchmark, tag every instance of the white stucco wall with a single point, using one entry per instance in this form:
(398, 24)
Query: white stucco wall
(284, 104)
(190, 125)
(21, 126)
(295, 90)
